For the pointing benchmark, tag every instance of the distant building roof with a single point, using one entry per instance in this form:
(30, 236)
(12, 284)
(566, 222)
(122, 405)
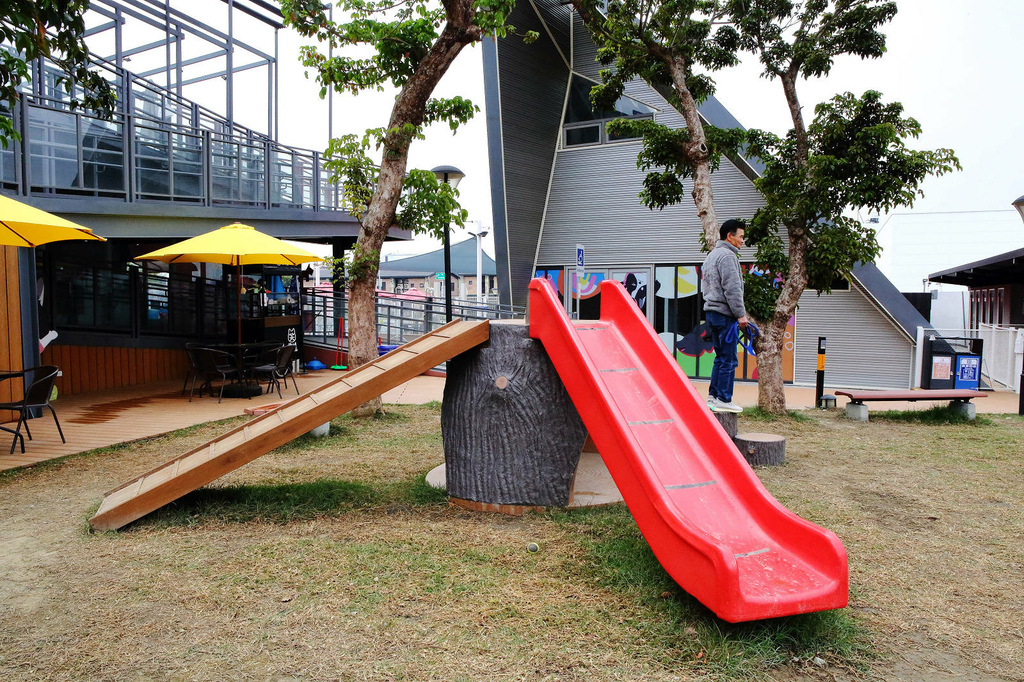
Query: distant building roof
(1002, 269)
(427, 264)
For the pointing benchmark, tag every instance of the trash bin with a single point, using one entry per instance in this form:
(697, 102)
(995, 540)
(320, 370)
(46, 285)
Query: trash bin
(384, 350)
(968, 372)
(945, 358)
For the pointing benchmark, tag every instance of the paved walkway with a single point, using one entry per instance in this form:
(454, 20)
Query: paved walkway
(103, 418)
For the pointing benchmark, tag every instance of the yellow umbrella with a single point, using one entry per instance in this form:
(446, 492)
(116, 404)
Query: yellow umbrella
(234, 244)
(24, 225)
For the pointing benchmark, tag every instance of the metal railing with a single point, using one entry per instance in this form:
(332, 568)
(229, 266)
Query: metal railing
(156, 147)
(400, 319)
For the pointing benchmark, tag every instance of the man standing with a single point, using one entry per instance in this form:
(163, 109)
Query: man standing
(722, 283)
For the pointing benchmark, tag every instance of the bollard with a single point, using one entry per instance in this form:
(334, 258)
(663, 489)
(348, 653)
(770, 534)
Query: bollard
(819, 381)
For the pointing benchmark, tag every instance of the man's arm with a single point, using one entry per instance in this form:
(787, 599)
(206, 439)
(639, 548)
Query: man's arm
(732, 287)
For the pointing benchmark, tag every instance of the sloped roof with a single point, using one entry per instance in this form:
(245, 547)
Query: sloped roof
(906, 317)
(1002, 269)
(427, 264)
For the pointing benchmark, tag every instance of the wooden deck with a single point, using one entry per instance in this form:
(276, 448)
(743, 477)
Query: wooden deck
(102, 418)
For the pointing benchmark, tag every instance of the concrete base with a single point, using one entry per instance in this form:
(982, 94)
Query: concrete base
(593, 485)
(966, 409)
(857, 412)
(322, 430)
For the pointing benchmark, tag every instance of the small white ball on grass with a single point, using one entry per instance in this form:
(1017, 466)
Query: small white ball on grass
(533, 548)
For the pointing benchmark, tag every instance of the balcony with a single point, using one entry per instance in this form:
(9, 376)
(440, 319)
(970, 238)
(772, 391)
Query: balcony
(158, 147)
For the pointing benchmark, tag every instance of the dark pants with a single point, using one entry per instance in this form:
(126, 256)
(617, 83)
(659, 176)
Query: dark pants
(723, 372)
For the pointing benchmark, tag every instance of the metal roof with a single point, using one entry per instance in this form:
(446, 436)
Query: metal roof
(426, 264)
(906, 317)
(1002, 269)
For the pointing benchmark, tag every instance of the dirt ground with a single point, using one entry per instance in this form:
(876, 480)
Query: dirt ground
(931, 517)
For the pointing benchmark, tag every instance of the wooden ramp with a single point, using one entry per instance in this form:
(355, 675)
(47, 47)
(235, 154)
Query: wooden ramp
(168, 482)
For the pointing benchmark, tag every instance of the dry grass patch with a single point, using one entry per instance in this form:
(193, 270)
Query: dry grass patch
(329, 559)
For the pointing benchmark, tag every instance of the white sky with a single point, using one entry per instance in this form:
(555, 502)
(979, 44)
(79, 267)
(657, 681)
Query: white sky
(956, 65)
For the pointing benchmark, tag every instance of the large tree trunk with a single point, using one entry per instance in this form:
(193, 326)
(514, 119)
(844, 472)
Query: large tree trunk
(771, 396)
(409, 109)
(697, 152)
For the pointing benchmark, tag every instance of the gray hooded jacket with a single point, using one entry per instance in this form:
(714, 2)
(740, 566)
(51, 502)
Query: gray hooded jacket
(722, 281)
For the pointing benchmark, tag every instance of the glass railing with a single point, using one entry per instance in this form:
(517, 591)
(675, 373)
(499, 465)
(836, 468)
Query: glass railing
(400, 318)
(157, 147)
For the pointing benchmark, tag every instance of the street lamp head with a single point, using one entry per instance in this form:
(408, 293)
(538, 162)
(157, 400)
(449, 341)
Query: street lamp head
(1019, 205)
(450, 175)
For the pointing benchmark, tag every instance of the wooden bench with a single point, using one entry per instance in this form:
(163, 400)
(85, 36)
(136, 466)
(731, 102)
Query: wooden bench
(959, 399)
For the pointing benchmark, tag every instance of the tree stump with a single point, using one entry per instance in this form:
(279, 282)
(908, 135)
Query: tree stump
(728, 422)
(761, 449)
(512, 436)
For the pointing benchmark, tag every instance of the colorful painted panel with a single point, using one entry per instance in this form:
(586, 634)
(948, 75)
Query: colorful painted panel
(679, 320)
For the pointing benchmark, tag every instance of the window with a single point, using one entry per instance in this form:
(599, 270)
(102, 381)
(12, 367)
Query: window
(585, 125)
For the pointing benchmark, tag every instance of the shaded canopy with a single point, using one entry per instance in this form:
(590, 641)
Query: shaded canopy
(28, 226)
(428, 264)
(234, 244)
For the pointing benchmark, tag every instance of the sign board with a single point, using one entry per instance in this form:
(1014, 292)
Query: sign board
(581, 259)
(942, 367)
(969, 369)
(439, 275)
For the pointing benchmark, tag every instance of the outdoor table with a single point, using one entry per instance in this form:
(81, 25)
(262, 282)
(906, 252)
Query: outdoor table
(240, 388)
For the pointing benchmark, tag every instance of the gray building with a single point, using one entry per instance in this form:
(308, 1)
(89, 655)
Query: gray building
(558, 180)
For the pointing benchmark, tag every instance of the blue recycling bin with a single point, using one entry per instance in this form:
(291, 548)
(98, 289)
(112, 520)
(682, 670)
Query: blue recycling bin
(384, 350)
(968, 372)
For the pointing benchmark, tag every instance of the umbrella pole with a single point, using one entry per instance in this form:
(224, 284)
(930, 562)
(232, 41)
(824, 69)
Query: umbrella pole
(238, 299)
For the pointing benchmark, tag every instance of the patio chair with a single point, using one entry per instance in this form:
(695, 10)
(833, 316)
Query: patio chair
(212, 364)
(277, 371)
(193, 367)
(40, 381)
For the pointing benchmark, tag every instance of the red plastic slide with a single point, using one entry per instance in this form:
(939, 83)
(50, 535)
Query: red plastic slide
(710, 522)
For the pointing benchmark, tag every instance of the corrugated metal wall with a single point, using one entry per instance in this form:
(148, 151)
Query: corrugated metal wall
(864, 349)
(584, 51)
(594, 202)
(533, 79)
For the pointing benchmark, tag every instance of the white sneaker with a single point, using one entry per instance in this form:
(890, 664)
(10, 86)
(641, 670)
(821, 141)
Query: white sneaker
(721, 406)
(712, 402)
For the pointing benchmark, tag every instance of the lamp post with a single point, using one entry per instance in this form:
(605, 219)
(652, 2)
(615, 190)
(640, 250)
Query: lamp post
(479, 262)
(449, 175)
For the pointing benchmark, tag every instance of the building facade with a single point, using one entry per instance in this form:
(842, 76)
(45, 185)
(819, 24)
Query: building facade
(161, 169)
(559, 181)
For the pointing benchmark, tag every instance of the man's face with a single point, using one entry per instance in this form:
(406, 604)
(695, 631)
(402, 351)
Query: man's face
(735, 238)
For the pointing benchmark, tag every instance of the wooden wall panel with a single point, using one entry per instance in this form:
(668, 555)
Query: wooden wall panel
(10, 326)
(93, 368)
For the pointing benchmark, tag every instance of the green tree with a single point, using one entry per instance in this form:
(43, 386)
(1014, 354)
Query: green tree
(667, 43)
(412, 43)
(52, 29)
(852, 156)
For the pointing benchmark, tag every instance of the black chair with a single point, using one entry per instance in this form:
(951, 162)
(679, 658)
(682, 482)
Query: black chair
(213, 364)
(39, 383)
(193, 367)
(277, 371)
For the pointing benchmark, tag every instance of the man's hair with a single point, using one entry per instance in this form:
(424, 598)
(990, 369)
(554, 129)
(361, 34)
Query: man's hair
(730, 227)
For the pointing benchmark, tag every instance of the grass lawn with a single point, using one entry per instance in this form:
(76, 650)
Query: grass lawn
(332, 559)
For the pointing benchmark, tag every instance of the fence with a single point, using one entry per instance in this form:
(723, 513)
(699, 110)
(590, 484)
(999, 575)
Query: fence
(399, 319)
(156, 147)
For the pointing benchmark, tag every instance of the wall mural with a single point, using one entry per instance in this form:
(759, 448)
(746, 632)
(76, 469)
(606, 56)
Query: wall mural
(678, 314)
